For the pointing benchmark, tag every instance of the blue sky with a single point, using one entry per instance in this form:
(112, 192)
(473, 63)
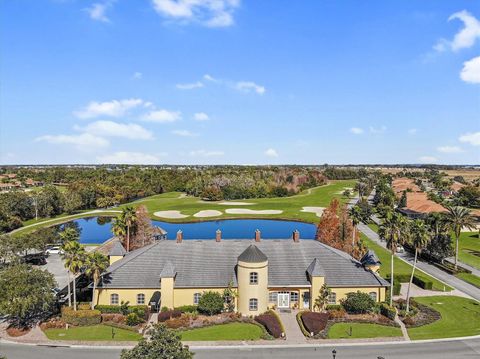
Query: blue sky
(240, 82)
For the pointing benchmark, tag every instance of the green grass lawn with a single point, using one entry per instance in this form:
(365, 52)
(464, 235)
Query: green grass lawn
(95, 332)
(373, 227)
(469, 241)
(399, 266)
(362, 330)
(470, 278)
(231, 331)
(460, 317)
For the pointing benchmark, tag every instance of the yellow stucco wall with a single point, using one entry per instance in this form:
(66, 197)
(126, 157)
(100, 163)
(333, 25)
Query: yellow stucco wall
(317, 283)
(167, 292)
(342, 292)
(103, 295)
(247, 291)
(113, 259)
(184, 296)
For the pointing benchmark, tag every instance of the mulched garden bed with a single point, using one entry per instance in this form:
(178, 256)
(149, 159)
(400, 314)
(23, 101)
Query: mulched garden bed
(17, 332)
(423, 315)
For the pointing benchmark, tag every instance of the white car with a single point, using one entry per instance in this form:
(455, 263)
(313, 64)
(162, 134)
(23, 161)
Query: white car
(400, 249)
(54, 250)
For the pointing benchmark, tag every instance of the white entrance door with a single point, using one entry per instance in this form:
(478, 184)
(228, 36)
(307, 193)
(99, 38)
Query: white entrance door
(283, 300)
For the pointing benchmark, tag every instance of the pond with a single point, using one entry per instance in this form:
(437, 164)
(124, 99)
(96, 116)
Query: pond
(98, 229)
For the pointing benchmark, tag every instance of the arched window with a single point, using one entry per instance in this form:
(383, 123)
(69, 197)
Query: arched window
(253, 304)
(114, 299)
(196, 298)
(253, 278)
(332, 298)
(373, 295)
(140, 299)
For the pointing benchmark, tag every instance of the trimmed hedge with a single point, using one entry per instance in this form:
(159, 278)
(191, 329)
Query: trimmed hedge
(314, 322)
(169, 314)
(405, 278)
(358, 303)
(188, 308)
(81, 317)
(333, 307)
(422, 283)
(300, 324)
(141, 310)
(271, 322)
(388, 311)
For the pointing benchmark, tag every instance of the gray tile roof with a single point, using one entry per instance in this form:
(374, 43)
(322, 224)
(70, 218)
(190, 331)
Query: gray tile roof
(207, 263)
(315, 269)
(252, 255)
(168, 270)
(370, 258)
(117, 249)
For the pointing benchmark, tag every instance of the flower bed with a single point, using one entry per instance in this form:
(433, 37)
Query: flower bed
(191, 321)
(272, 323)
(420, 315)
(169, 314)
(314, 322)
(81, 317)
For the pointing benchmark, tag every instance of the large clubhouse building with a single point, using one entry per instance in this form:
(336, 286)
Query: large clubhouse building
(264, 273)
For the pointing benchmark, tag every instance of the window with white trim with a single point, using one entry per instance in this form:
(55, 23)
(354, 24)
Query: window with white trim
(294, 296)
(140, 299)
(196, 298)
(373, 295)
(114, 299)
(253, 278)
(253, 304)
(272, 297)
(332, 298)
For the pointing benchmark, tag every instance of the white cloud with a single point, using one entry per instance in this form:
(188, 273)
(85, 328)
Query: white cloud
(114, 129)
(248, 86)
(162, 116)
(184, 133)
(356, 130)
(211, 13)
(271, 152)
(466, 37)
(133, 158)
(471, 71)
(428, 159)
(471, 138)
(381, 129)
(201, 116)
(412, 131)
(137, 76)
(98, 11)
(205, 153)
(189, 86)
(84, 141)
(114, 108)
(210, 78)
(449, 149)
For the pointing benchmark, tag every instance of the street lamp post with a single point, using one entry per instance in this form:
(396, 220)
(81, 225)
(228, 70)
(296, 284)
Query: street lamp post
(334, 353)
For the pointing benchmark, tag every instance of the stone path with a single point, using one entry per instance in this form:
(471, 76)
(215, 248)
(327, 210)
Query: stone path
(402, 327)
(293, 332)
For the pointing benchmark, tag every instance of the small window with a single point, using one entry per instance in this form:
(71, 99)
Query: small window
(373, 295)
(140, 299)
(253, 304)
(114, 299)
(272, 297)
(196, 298)
(294, 296)
(253, 278)
(332, 298)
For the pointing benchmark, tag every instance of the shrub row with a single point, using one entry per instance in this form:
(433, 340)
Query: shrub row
(169, 314)
(388, 311)
(330, 307)
(81, 317)
(405, 278)
(422, 283)
(314, 322)
(188, 309)
(271, 322)
(141, 310)
(300, 324)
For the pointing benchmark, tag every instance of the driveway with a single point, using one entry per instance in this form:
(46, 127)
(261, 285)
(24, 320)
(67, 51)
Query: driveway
(55, 266)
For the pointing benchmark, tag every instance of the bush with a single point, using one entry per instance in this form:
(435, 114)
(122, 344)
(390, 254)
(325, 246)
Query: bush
(188, 309)
(314, 322)
(81, 317)
(108, 309)
(401, 278)
(333, 307)
(113, 318)
(358, 303)
(388, 311)
(141, 310)
(169, 314)
(164, 309)
(210, 303)
(133, 319)
(83, 306)
(300, 324)
(271, 322)
(179, 322)
(422, 283)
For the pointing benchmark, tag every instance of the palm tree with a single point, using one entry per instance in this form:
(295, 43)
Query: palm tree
(419, 238)
(123, 224)
(391, 229)
(67, 236)
(74, 257)
(130, 218)
(356, 216)
(95, 264)
(457, 218)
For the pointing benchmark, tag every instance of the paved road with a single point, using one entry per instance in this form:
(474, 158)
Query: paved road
(445, 350)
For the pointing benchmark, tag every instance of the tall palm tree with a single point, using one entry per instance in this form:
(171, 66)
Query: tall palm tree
(419, 238)
(356, 216)
(391, 229)
(123, 224)
(68, 235)
(95, 264)
(74, 257)
(130, 216)
(458, 217)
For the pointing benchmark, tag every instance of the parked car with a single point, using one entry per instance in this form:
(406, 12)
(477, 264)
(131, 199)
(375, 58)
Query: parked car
(54, 250)
(400, 249)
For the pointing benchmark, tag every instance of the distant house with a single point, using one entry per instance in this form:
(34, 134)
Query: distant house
(404, 184)
(418, 205)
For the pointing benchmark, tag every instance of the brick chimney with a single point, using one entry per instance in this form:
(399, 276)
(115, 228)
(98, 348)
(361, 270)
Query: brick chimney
(218, 236)
(179, 236)
(296, 235)
(257, 235)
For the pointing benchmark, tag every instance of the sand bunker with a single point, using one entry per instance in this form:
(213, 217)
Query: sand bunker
(170, 214)
(208, 213)
(251, 211)
(317, 210)
(236, 203)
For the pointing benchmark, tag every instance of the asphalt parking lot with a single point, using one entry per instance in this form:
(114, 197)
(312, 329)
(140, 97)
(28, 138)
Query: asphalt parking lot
(55, 266)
